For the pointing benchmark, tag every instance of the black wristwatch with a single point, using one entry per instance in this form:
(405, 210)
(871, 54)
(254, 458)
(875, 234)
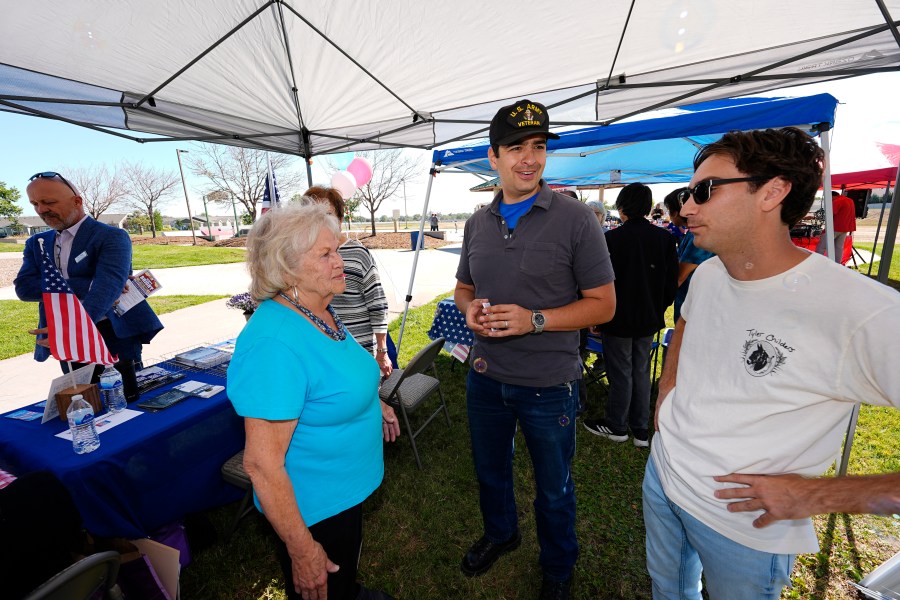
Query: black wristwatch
(538, 320)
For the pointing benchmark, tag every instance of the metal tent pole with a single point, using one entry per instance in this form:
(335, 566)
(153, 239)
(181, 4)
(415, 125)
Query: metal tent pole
(827, 204)
(829, 230)
(890, 234)
(887, 190)
(432, 173)
(848, 441)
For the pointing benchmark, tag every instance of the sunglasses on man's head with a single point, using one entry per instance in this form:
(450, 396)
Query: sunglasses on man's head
(53, 175)
(703, 190)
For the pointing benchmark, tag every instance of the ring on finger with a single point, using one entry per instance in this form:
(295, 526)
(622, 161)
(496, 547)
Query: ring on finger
(507, 324)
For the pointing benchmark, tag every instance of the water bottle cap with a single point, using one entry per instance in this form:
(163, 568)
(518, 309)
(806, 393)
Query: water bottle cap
(77, 397)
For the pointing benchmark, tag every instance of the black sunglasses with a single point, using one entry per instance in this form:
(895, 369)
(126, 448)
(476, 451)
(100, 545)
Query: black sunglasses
(53, 175)
(703, 190)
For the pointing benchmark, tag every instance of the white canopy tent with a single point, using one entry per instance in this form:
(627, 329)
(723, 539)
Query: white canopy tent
(308, 77)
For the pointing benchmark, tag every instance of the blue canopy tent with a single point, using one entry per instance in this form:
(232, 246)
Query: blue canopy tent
(652, 150)
(656, 149)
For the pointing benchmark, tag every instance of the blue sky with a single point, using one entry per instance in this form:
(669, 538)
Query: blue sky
(866, 115)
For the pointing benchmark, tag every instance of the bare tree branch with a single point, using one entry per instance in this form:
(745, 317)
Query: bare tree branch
(241, 173)
(100, 189)
(148, 188)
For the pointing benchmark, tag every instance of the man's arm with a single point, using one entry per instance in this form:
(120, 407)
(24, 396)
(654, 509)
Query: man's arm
(28, 281)
(110, 273)
(795, 497)
(464, 298)
(670, 369)
(597, 305)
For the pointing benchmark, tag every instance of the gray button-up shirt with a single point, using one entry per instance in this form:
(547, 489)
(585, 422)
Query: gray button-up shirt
(556, 249)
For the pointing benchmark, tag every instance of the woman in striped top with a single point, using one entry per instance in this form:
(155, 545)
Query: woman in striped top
(363, 306)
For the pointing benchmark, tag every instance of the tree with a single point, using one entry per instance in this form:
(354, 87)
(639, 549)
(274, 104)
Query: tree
(148, 188)
(390, 169)
(241, 173)
(100, 189)
(8, 207)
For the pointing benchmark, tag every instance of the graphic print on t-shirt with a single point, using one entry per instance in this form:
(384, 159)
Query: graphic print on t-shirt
(763, 353)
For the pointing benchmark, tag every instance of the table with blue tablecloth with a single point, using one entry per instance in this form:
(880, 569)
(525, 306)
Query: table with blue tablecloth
(450, 324)
(149, 471)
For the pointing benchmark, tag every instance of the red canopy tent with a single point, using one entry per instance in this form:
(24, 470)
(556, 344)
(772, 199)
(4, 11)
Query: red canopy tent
(865, 180)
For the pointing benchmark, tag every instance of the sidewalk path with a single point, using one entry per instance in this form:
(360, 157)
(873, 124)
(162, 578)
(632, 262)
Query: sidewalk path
(24, 381)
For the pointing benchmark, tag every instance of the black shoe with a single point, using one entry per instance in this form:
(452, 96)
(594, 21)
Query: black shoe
(556, 590)
(484, 553)
(602, 429)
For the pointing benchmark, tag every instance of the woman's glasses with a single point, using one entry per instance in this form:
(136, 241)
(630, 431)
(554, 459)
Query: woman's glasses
(703, 190)
(53, 175)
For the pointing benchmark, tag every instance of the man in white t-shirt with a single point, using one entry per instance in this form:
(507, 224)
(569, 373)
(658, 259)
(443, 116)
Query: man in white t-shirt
(768, 365)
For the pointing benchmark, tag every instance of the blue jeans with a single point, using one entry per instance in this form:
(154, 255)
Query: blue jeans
(680, 548)
(628, 372)
(547, 418)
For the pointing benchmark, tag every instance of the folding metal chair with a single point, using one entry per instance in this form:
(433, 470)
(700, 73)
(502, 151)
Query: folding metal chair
(597, 371)
(83, 580)
(407, 388)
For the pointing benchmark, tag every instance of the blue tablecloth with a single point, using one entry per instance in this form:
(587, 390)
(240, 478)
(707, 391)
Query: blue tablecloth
(450, 324)
(149, 471)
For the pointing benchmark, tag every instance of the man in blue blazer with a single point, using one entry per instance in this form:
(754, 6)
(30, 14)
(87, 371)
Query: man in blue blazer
(96, 261)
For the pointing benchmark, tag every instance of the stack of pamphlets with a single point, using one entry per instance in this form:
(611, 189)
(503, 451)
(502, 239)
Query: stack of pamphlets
(153, 377)
(180, 392)
(203, 357)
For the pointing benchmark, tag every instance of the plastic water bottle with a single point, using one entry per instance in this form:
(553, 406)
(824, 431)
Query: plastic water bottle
(81, 424)
(112, 390)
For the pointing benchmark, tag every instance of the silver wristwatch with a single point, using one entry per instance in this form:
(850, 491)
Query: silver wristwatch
(538, 320)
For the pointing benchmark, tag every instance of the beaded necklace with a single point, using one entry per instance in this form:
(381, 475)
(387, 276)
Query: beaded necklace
(338, 336)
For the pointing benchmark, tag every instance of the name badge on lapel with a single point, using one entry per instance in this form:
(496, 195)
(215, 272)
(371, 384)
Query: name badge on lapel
(81, 257)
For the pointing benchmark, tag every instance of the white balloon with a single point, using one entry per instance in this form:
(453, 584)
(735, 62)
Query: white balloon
(345, 183)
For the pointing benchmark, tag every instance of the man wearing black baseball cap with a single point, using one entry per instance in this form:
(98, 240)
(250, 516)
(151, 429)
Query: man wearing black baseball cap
(523, 261)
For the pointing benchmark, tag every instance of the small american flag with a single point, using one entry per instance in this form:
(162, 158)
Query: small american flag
(72, 335)
(271, 197)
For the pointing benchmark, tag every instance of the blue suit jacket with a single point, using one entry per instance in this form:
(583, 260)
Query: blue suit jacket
(99, 266)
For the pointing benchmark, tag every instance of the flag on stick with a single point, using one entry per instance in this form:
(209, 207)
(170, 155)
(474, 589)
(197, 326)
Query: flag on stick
(271, 197)
(72, 335)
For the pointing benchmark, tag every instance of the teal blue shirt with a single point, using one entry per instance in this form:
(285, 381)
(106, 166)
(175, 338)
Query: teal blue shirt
(285, 368)
(512, 212)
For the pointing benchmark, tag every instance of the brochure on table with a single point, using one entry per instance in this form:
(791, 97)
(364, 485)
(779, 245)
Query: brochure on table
(105, 422)
(78, 377)
(139, 286)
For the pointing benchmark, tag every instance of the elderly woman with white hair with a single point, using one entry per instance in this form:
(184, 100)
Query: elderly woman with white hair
(309, 397)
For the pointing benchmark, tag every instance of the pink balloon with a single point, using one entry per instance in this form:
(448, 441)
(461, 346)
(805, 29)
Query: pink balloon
(345, 183)
(361, 169)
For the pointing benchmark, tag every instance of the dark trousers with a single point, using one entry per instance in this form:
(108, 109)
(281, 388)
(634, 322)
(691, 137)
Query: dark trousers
(341, 539)
(129, 352)
(546, 417)
(628, 372)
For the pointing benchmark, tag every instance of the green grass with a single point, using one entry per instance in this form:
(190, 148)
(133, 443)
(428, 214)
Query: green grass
(420, 523)
(166, 304)
(161, 257)
(893, 274)
(18, 317)
(6, 247)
